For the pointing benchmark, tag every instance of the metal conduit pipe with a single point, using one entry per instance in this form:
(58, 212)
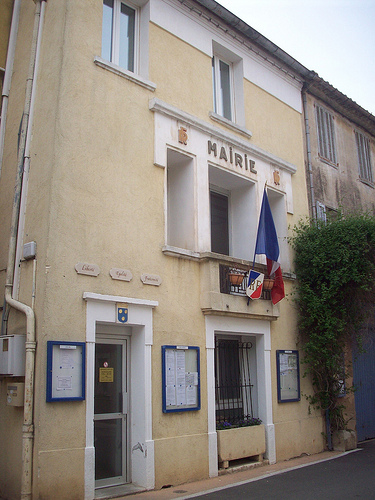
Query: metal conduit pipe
(28, 421)
(308, 148)
(8, 74)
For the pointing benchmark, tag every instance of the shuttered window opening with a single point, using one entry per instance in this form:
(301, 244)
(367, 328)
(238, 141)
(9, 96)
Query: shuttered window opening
(364, 158)
(326, 135)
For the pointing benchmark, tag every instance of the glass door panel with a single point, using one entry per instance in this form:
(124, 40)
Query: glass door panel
(108, 448)
(110, 417)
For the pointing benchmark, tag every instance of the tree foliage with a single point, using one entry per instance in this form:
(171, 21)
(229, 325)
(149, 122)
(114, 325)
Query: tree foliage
(335, 269)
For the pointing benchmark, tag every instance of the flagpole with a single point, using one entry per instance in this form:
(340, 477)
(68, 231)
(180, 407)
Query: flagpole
(252, 268)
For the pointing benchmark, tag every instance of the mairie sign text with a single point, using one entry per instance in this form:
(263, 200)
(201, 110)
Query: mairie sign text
(227, 154)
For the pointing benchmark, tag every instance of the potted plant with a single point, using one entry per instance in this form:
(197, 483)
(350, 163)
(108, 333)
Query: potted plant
(236, 277)
(268, 283)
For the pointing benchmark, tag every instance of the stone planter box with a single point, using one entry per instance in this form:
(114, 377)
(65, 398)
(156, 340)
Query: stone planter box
(241, 442)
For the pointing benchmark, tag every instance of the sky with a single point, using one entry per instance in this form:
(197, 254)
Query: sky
(334, 38)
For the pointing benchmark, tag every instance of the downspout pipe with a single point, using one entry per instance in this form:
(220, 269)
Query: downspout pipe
(308, 148)
(8, 74)
(26, 165)
(28, 419)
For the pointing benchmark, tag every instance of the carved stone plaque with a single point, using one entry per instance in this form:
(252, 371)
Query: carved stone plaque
(88, 269)
(120, 274)
(151, 279)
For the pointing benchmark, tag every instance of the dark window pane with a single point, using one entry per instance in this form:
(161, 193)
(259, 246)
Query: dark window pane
(108, 448)
(108, 390)
(219, 223)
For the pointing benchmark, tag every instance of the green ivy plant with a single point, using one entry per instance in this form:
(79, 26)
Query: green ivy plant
(335, 269)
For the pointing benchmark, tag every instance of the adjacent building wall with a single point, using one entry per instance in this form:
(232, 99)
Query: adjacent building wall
(337, 186)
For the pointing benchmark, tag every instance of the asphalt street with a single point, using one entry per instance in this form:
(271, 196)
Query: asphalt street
(349, 476)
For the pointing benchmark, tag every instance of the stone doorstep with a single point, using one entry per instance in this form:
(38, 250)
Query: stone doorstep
(235, 467)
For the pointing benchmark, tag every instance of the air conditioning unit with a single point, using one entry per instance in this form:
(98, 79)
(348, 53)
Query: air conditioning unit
(12, 355)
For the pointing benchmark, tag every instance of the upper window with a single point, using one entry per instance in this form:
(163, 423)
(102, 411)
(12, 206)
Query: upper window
(222, 88)
(326, 135)
(364, 157)
(227, 85)
(119, 33)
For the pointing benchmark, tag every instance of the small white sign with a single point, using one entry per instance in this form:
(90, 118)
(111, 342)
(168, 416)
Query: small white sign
(151, 279)
(120, 274)
(88, 269)
(64, 383)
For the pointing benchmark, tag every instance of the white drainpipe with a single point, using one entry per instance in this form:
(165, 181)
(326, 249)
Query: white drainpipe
(8, 74)
(26, 165)
(28, 420)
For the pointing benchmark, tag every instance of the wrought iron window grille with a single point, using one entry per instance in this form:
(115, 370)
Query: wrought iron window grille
(233, 387)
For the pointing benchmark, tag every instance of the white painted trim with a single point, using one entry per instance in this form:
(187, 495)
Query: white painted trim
(124, 73)
(212, 435)
(181, 252)
(170, 111)
(262, 331)
(101, 309)
(119, 298)
(223, 121)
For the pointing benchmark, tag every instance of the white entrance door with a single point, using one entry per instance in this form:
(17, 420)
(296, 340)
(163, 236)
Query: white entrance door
(111, 412)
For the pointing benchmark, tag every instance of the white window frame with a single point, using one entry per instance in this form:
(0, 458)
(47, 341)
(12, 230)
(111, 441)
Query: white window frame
(141, 37)
(217, 84)
(115, 42)
(326, 135)
(235, 63)
(364, 157)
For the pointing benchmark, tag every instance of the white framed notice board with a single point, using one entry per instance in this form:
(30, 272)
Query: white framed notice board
(65, 371)
(181, 378)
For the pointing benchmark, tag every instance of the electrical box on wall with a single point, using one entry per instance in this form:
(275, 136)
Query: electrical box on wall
(12, 355)
(15, 394)
(29, 250)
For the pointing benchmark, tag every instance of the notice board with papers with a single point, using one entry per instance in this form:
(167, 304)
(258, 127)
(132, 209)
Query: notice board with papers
(65, 371)
(181, 378)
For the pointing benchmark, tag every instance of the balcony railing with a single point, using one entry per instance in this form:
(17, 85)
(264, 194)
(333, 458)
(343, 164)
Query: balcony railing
(227, 287)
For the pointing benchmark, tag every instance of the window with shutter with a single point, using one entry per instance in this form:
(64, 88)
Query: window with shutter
(364, 157)
(321, 211)
(326, 135)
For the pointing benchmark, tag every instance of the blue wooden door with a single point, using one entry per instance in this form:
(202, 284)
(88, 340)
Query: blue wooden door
(364, 381)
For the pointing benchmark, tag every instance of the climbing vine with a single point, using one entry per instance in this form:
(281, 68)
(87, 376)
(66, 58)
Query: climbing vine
(335, 269)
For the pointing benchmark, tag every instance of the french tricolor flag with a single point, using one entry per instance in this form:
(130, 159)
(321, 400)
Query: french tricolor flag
(267, 245)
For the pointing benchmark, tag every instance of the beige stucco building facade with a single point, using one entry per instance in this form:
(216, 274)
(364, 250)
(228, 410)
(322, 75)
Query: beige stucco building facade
(139, 189)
